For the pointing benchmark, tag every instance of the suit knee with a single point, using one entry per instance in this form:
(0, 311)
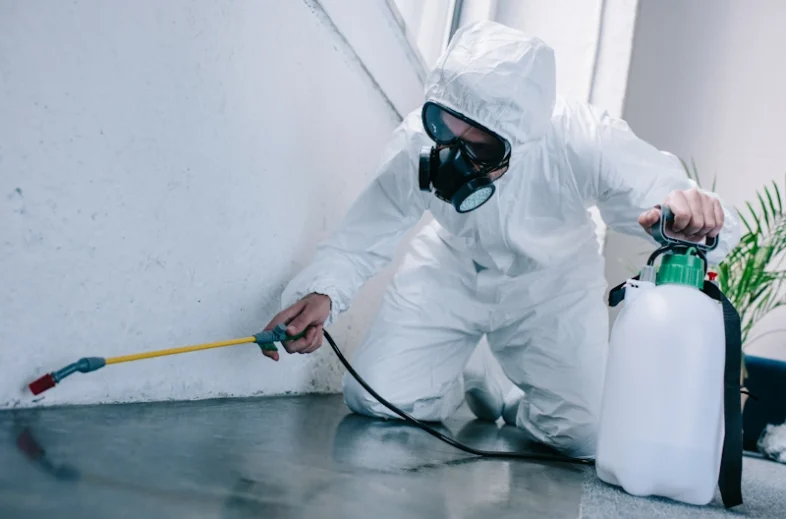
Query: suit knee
(422, 405)
(577, 440)
(358, 399)
(573, 433)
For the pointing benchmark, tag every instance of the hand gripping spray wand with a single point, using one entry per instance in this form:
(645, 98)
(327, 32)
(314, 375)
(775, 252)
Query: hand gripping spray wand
(266, 341)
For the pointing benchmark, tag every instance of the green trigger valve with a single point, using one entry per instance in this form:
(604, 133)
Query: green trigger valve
(266, 340)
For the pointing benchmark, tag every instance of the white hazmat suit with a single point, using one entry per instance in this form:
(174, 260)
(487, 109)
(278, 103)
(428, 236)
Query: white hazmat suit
(524, 269)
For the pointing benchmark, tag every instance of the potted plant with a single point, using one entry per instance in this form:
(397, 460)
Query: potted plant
(752, 276)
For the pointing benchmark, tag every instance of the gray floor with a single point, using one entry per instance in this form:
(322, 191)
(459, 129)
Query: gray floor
(299, 457)
(274, 457)
(763, 492)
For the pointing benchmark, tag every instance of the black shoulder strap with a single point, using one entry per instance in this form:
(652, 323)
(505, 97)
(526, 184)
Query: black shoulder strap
(617, 294)
(730, 478)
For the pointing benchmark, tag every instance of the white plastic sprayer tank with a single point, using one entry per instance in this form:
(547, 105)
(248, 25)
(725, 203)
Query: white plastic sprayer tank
(661, 427)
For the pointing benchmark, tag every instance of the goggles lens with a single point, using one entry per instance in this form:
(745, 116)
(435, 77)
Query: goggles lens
(448, 127)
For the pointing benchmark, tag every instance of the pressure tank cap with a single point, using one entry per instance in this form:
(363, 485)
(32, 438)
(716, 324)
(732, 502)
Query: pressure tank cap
(682, 268)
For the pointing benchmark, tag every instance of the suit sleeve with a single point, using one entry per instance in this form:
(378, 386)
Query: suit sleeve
(633, 176)
(370, 232)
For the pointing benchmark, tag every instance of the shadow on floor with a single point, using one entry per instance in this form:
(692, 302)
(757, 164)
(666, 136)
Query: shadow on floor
(265, 457)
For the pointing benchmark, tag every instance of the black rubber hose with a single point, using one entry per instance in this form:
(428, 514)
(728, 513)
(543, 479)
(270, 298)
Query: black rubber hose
(447, 439)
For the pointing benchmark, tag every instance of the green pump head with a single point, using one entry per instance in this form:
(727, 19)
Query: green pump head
(682, 267)
(683, 262)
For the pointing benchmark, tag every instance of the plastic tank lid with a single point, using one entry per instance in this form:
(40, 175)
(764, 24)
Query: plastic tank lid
(682, 268)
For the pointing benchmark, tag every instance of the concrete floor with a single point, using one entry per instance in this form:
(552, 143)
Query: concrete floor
(265, 457)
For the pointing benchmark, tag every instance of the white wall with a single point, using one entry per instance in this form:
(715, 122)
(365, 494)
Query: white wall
(427, 23)
(707, 82)
(568, 26)
(165, 168)
(592, 41)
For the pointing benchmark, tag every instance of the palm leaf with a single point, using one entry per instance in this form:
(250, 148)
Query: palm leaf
(773, 210)
(755, 218)
(751, 275)
(764, 213)
(745, 223)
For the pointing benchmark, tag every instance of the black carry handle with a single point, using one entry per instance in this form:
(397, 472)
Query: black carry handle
(659, 233)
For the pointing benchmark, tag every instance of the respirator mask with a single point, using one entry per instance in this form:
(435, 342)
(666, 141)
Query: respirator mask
(461, 168)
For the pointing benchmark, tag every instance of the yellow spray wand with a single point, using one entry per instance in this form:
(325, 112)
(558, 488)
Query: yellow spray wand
(265, 340)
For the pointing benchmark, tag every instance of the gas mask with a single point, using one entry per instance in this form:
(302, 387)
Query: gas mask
(460, 169)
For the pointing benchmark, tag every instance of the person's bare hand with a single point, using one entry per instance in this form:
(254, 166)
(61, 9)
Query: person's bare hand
(310, 313)
(697, 215)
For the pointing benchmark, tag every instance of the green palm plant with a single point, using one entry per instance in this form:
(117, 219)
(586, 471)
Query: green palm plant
(752, 275)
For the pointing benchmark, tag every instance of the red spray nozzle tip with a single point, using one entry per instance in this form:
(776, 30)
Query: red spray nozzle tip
(712, 275)
(42, 384)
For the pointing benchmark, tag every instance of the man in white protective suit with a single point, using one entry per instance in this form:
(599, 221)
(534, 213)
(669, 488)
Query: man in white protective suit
(508, 170)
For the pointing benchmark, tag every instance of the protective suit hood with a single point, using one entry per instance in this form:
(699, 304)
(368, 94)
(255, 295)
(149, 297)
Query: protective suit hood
(498, 77)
